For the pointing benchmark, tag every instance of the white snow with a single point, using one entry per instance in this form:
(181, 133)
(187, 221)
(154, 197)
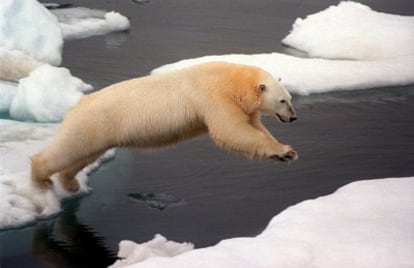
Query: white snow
(81, 22)
(20, 201)
(351, 30)
(43, 96)
(7, 93)
(131, 252)
(386, 55)
(46, 94)
(363, 224)
(31, 38)
(29, 27)
(31, 90)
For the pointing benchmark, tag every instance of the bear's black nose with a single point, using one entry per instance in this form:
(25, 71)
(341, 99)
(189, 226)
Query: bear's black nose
(292, 119)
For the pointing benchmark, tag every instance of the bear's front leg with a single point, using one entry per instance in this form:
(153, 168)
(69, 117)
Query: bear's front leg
(232, 129)
(289, 156)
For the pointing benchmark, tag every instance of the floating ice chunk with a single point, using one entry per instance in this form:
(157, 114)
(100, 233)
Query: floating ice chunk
(29, 27)
(131, 252)
(305, 76)
(363, 224)
(20, 201)
(46, 94)
(7, 93)
(353, 31)
(15, 65)
(81, 22)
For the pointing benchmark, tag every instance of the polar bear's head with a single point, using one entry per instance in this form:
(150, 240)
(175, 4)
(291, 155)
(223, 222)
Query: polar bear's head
(276, 100)
(253, 88)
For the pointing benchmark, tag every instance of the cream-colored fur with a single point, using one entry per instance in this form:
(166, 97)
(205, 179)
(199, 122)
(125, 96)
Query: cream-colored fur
(222, 99)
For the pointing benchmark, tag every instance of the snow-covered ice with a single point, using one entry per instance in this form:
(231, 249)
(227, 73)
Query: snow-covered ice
(20, 201)
(46, 94)
(363, 224)
(352, 30)
(29, 27)
(81, 22)
(31, 38)
(385, 56)
(7, 93)
(131, 252)
(43, 96)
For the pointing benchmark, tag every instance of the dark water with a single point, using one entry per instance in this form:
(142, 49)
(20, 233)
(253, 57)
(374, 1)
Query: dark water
(194, 191)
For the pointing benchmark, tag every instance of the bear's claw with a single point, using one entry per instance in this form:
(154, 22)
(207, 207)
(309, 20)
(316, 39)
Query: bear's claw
(287, 157)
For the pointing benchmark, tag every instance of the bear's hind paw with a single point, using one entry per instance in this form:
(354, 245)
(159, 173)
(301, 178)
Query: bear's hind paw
(70, 185)
(44, 184)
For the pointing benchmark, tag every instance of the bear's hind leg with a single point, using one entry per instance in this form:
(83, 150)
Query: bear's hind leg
(67, 176)
(39, 172)
(60, 155)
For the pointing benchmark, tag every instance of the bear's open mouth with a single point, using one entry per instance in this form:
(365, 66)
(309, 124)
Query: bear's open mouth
(278, 116)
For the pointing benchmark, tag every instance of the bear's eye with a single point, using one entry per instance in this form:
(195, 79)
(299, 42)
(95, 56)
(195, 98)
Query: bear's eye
(282, 101)
(262, 87)
(280, 79)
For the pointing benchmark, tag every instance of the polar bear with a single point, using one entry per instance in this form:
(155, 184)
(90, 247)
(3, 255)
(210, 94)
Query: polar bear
(222, 99)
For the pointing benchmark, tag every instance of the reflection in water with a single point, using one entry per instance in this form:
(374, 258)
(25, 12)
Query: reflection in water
(115, 40)
(70, 243)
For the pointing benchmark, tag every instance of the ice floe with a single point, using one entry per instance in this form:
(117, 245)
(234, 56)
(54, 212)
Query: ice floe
(29, 27)
(31, 38)
(20, 201)
(363, 224)
(43, 96)
(81, 22)
(46, 94)
(381, 44)
(131, 252)
(352, 30)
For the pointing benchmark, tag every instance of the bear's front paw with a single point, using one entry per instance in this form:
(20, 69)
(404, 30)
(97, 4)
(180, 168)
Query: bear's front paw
(289, 156)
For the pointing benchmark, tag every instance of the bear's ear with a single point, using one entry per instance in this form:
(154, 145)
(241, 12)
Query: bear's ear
(261, 88)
